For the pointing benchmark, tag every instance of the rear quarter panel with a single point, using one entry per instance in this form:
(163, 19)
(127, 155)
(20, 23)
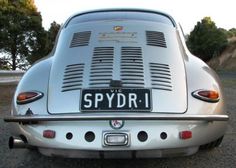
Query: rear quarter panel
(35, 79)
(200, 76)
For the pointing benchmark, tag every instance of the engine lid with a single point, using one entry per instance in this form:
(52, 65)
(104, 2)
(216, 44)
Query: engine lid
(139, 54)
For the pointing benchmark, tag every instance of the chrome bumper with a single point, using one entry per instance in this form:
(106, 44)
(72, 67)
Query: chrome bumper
(115, 116)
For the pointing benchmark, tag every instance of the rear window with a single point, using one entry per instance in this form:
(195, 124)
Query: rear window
(121, 15)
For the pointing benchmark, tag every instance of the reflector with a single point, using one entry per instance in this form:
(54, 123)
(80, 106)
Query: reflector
(185, 135)
(49, 134)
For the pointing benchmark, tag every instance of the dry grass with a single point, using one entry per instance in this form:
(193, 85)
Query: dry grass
(229, 83)
(227, 60)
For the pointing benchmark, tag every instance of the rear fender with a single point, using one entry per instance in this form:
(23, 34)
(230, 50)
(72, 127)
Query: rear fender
(35, 79)
(200, 76)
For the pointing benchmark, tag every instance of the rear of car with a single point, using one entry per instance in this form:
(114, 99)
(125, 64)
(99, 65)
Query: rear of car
(119, 82)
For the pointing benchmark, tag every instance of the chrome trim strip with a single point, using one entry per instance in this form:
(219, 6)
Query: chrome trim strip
(117, 116)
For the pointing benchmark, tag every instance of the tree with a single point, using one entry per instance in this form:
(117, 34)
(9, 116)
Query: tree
(46, 41)
(4, 64)
(20, 26)
(232, 32)
(206, 40)
(52, 34)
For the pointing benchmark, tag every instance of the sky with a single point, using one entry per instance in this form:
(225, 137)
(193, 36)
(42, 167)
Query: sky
(186, 12)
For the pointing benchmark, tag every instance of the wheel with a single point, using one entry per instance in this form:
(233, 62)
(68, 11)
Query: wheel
(212, 145)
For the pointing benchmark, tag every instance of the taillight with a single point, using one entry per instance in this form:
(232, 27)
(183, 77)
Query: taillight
(28, 97)
(207, 95)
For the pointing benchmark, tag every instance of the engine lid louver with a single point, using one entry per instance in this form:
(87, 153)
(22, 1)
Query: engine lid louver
(160, 76)
(80, 39)
(155, 38)
(132, 67)
(102, 67)
(73, 77)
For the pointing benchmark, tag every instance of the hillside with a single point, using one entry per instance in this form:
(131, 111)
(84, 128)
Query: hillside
(227, 60)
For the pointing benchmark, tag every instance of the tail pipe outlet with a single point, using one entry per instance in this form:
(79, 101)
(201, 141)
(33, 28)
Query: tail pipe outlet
(14, 142)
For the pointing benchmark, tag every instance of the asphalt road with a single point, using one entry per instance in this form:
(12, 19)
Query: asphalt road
(222, 157)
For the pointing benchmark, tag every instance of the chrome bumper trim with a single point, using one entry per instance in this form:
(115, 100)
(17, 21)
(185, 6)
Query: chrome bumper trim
(115, 116)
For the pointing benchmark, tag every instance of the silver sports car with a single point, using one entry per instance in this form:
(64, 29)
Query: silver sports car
(118, 83)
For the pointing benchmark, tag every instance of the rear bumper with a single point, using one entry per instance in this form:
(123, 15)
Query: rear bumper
(202, 133)
(117, 116)
(204, 128)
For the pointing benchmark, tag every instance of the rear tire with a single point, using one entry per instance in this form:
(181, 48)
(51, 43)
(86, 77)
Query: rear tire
(212, 145)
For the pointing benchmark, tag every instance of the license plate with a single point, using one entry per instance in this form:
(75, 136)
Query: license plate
(115, 100)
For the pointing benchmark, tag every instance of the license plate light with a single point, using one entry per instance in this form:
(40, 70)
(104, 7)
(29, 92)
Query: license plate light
(116, 139)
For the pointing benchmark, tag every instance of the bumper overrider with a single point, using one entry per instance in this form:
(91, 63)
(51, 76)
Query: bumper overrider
(142, 135)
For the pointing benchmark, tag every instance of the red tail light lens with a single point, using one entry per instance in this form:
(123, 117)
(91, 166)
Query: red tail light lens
(185, 135)
(206, 95)
(49, 134)
(28, 97)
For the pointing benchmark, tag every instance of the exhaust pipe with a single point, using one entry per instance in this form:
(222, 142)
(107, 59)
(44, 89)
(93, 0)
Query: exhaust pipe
(17, 143)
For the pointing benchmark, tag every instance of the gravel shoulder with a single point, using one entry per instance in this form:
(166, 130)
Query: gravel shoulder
(224, 156)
